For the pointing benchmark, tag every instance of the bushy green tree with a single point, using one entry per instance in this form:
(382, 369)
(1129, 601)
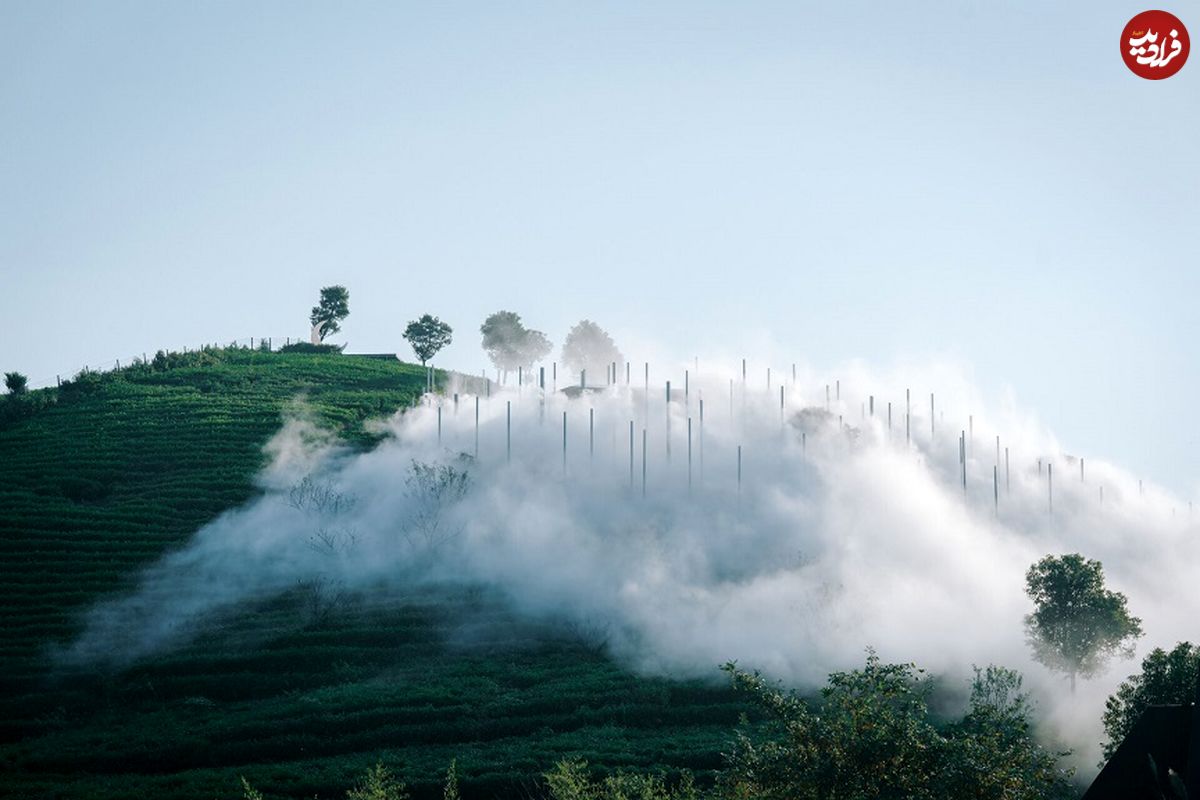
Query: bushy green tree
(1077, 624)
(589, 347)
(1167, 678)
(871, 736)
(330, 310)
(509, 344)
(16, 383)
(427, 335)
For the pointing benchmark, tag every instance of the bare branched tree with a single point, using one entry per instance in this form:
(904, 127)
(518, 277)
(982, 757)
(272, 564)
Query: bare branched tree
(319, 497)
(433, 490)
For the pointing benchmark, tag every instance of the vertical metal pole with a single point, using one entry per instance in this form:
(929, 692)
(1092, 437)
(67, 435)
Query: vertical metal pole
(889, 416)
(668, 426)
(743, 372)
(643, 462)
(872, 399)
(631, 455)
(838, 384)
(687, 387)
(793, 373)
(542, 378)
(1102, 500)
(476, 426)
(439, 408)
(962, 456)
(996, 489)
(768, 379)
(508, 431)
(554, 376)
(1081, 480)
(1050, 486)
(583, 379)
(689, 455)
(781, 413)
(626, 373)
(907, 428)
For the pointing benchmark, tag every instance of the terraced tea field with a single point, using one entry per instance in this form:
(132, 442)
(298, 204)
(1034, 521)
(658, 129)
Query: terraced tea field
(125, 466)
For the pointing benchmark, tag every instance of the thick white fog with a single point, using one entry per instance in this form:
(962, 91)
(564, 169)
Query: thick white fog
(839, 536)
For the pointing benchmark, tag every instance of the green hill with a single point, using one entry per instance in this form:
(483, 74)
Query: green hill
(102, 476)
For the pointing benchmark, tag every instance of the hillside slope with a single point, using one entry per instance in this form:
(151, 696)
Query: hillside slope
(298, 699)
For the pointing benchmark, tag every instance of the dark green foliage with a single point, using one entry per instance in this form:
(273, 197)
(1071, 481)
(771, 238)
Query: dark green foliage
(870, 735)
(1167, 678)
(378, 784)
(19, 406)
(330, 310)
(509, 344)
(570, 780)
(15, 383)
(1077, 624)
(427, 336)
(309, 347)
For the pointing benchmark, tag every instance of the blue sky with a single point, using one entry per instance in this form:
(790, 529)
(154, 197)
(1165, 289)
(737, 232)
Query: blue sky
(978, 181)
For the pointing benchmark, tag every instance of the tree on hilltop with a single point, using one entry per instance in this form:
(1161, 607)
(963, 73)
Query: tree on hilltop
(509, 344)
(427, 335)
(16, 383)
(331, 309)
(589, 347)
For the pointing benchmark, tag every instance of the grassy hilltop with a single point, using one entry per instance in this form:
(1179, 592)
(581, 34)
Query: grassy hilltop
(102, 476)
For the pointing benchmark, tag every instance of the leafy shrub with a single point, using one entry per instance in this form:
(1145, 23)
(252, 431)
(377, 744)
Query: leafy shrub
(19, 406)
(309, 347)
(16, 383)
(378, 784)
(871, 735)
(569, 780)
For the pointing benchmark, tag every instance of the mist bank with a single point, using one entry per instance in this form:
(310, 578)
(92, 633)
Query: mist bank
(790, 529)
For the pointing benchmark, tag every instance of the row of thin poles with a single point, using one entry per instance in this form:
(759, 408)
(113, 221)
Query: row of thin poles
(832, 394)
